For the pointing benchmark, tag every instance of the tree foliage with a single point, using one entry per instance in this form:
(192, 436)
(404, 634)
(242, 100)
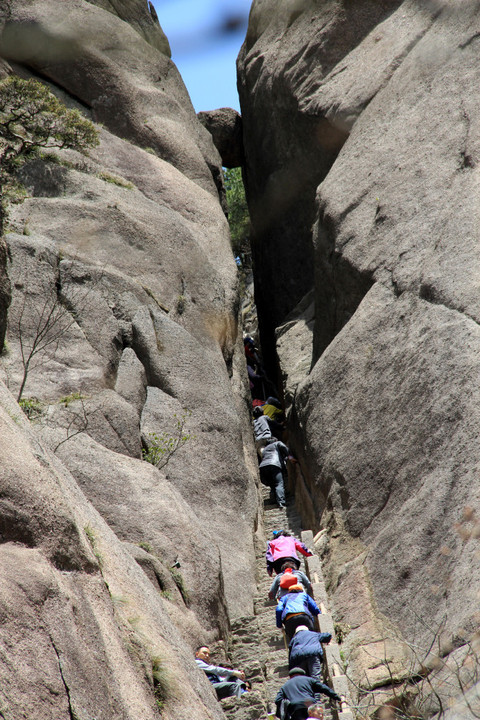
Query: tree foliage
(32, 118)
(238, 217)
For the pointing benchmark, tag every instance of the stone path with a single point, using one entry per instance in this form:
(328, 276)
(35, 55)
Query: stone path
(257, 645)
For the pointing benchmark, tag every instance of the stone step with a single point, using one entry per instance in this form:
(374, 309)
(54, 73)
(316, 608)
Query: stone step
(257, 645)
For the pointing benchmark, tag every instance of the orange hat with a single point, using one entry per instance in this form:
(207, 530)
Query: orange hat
(296, 588)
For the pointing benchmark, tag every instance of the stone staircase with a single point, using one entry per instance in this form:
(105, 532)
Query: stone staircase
(257, 645)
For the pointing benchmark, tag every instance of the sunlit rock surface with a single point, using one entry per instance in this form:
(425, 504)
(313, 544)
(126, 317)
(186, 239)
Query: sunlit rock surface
(116, 569)
(364, 117)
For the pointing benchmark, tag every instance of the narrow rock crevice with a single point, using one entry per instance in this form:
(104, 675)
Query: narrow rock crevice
(72, 714)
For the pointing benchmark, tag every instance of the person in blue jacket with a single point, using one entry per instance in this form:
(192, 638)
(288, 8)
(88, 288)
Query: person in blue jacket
(305, 650)
(294, 609)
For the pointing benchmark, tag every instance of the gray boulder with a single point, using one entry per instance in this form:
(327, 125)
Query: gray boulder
(225, 126)
(83, 627)
(79, 45)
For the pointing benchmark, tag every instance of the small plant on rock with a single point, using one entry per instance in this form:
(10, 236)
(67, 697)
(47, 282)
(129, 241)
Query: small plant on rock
(67, 399)
(162, 447)
(161, 682)
(115, 180)
(92, 539)
(32, 407)
(145, 546)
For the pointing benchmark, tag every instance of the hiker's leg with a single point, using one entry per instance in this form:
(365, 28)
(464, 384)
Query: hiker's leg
(279, 488)
(313, 667)
(227, 689)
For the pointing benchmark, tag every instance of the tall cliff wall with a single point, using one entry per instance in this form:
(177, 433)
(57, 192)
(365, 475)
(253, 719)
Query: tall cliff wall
(130, 248)
(362, 148)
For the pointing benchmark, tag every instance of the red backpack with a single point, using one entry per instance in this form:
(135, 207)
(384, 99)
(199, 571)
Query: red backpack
(288, 579)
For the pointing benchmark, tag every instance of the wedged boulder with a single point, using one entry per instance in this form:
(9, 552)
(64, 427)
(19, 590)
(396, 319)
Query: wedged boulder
(131, 381)
(225, 127)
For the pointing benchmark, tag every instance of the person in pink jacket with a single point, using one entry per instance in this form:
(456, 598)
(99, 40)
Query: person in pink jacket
(284, 547)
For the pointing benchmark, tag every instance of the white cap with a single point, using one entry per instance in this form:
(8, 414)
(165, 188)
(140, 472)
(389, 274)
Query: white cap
(300, 627)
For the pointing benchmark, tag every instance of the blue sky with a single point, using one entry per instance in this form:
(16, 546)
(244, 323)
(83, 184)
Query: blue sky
(205, 37)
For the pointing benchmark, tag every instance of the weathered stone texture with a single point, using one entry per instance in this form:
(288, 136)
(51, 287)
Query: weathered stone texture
(78, 46)
(289, 150)
(128, 249)
(81, 621)
(385, 424)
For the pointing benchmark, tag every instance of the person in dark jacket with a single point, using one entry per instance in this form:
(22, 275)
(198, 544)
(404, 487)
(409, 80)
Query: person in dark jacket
(298, 693)
(296, 608)
(305, 650)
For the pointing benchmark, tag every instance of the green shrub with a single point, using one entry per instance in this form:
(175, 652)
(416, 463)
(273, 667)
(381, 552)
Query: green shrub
(32, 407)
(161, 682)
(161, 447)
(31, 119)
(145, 546)
(92, 539)
(67, 399)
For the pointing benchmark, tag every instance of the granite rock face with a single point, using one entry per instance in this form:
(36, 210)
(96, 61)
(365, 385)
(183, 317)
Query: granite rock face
(288, 49)
(81, 45)
(125, 286)
(385, 421)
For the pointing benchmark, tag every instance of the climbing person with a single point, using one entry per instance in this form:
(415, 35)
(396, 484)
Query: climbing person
(298, 693)
(261, 430)
(273, 409)
(226, 681)
(272, 466)
(287, 577)
(256, 380)
(294, 609)
(252, 355)
(315, 711)
(265, 429)
(283, 547)
(305, 650)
